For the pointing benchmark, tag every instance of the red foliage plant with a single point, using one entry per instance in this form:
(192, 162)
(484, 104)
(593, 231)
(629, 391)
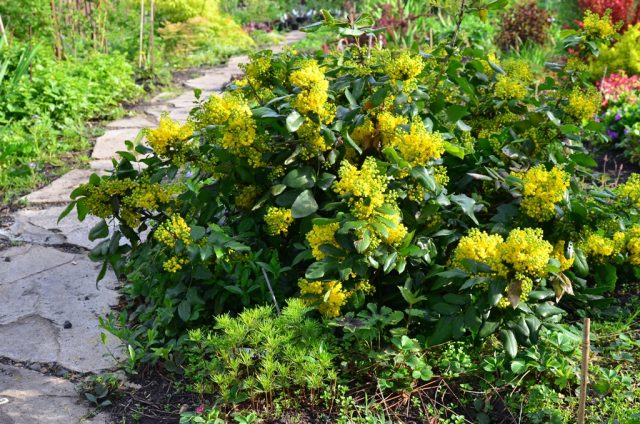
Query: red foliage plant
(615, 85)
(626, 11)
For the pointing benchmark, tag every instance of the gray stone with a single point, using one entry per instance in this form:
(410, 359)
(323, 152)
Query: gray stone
(58, 191)
(113, 141)
(164, 96)
(34, 398)
(41, 288)
(213, 80)
(138, 121)
(179, 114)
(41, 226)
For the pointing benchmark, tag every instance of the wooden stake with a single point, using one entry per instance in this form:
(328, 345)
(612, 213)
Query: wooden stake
(141, 31)
(584, 372)
(1, 26)
(152, 51)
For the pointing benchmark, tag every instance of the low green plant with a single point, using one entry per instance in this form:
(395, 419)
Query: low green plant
(259, 355)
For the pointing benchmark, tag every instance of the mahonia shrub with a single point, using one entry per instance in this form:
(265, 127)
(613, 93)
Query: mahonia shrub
(449, 186)
(623, 56)
(621, 10)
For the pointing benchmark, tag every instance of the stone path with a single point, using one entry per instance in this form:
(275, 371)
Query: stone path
(49, 303)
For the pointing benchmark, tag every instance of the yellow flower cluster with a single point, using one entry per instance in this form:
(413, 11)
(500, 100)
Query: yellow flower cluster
(329, 294)
(322, 234)
(397, 234)
(172, 230)
(630, 191)
(599, 247)
(170, 138)
(542, 190)
(508, 88)
(174, 264)
(388, 127)
(633, 245)
(559, 254)
(314, 91)
(513, 85)
(133, 195)
(583, 104)
(247, 196)
(365, 135)
(278, 220)
(313, 140)
(481, 247)
(419, 146)
(239, 134)
(366, 186)
(526, 288)
(595, 25)
(526, 251)
(406, 67)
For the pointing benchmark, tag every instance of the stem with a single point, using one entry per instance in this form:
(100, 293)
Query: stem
(273, 296)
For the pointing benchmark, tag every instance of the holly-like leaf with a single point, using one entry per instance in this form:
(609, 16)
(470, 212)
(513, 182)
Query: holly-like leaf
(304, 205)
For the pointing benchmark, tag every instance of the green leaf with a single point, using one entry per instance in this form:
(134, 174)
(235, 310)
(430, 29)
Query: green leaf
(304, 205)
(456, 112)
(325, 180)
(184, 310)
(580, 264)
(351, 143)
(509, 342)
(100, 230)
(454, 150)
(518, 366)
(67, 210)
(294, 121)
(584, 160)
(467, 204)
(315, 270)
(265, 112)
(300, 178)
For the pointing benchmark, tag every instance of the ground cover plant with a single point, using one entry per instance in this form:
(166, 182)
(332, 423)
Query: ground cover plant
(428, 216)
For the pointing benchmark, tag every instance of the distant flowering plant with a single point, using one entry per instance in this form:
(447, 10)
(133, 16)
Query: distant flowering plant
(339, 178)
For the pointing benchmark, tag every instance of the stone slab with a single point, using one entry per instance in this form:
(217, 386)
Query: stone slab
(40, 226)
(113, 141)
(138, 121)
(179, 114)
(42, 288)
(59, 190)
(33, 398)
(213, 80)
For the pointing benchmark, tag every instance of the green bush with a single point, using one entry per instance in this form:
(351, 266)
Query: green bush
(447, 185)
(624, 55)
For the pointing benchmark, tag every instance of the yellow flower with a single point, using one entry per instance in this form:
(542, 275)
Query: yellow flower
(633, 245)
(630, 191)
(278, 220)
(397, 234)
(329, 294)
(365, 135)
(247, 196)
(170, 138)
(314, 91)
(313, 142)
(233, 114)
(406, 67)
(322, 234)
(599, 247)
(481, 247)
(526, 251)
(559, 254)
(388, 127)
(172, 230)
(365, 185)
(599, 26)
(507, 88)
(542, 190)
(583, 104)
(526, 288)
(174, 264)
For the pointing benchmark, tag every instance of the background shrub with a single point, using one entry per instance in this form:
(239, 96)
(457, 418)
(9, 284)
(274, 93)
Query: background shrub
(525, 22)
